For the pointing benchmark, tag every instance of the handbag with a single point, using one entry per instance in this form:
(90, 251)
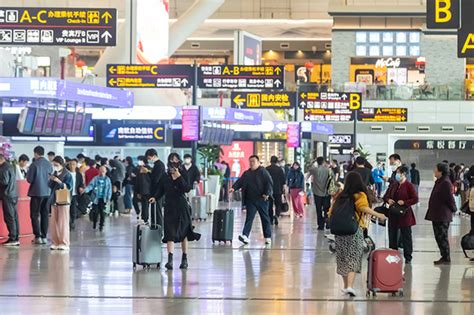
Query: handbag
(331, 185)
(63, 197)
(398, 210)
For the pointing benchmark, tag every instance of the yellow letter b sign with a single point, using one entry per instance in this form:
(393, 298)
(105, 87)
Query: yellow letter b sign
(443, 14)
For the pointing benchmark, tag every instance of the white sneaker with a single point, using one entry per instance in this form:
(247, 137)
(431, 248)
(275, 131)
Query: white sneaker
(351, 292)
(268, 241)
(244, 239)
(54, 247)
(63, 248)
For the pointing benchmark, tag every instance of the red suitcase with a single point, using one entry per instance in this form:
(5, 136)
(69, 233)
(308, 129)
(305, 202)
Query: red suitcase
(385, 272)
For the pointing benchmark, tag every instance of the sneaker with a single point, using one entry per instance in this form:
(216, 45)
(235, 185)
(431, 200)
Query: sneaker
(268, 241)
(44, 240)
(38, 241)
(351, 292)
(54, 247)
(344, 291)
(11, 243)
(442, 261)
(244, 239)
(63, 248)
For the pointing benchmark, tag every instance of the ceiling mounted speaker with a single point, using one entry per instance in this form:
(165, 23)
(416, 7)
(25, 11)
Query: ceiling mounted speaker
(284, 45)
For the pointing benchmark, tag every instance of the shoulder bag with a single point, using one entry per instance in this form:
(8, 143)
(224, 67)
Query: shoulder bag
(63, 197)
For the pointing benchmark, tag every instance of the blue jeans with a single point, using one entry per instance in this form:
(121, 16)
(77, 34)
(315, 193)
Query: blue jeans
(260, 206)
(379, 187)
(127, 197)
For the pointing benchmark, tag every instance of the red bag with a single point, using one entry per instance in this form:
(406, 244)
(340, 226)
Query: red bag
(385, 272)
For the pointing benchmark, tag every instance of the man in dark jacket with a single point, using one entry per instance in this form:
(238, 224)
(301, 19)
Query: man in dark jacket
(279, 183)
(191, 171)
(142, 188)
(415, 177)
(9, 197)
(364, 172)
(39, 192)
(157, 172)
(256, 184)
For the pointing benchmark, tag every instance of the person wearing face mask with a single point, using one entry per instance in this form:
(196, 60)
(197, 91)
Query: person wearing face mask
(403, 193)
(59, 224)
(157, 172)
(177, 219)
(352, 163)
(378, 174)
(191, 171)
(441, 208)
(101, 185)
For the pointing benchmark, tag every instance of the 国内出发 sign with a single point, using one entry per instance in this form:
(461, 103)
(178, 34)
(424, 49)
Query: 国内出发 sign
(58, 26)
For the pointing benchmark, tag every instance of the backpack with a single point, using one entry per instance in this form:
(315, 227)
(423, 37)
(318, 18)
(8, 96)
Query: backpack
(331, 185)
(343, 219)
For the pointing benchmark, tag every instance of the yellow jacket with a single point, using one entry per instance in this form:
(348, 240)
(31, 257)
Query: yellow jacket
(361, 201)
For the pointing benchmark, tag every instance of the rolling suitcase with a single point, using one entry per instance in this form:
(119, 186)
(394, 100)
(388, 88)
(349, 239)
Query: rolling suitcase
(146, 249)
(385, 271)
(467, 243)
(211, 203)
(199, 207)
(223, 225)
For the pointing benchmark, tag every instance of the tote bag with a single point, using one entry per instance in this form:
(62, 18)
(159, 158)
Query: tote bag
(63, 197)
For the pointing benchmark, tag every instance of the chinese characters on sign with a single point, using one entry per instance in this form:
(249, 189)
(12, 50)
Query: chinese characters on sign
(258, 100)
(121, 133)
(190, 125)
(340, 139)
(58, 26)
(241, 77)
(383, 114)
(150, 76)
(329, 106)
(435, 144)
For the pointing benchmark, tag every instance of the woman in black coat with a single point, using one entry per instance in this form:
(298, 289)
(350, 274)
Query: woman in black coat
(177, 219)
(441, 208)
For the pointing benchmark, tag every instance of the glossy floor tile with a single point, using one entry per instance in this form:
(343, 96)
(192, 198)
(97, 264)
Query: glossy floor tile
(295, 275)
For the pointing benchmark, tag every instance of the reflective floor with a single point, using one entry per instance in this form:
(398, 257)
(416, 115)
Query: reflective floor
(296, 275)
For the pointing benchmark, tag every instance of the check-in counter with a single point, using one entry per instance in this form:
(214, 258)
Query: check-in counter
(23, 212)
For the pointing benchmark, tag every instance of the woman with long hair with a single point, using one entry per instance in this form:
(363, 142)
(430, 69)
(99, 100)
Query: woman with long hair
(350, 248)
(177, 215)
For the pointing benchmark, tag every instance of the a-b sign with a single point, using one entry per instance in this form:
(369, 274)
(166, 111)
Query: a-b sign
(442, 14)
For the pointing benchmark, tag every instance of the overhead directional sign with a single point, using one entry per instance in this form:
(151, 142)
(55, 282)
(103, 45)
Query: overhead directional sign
(329, 100)
(150, 76)
(381, 114)
(338, 115)
(261, 100)
(442, 14)
(241, 77)
(58, 26)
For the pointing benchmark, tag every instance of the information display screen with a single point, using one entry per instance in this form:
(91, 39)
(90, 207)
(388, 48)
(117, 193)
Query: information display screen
(39, 121)
(86, 126)
(49, 123)
(78, 124)
(69, 123)
(59, 123)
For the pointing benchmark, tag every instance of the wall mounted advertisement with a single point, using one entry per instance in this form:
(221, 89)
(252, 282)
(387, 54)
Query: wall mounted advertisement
(248, 47)
(237, 156)
(190, 125)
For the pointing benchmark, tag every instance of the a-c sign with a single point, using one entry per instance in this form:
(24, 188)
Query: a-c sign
(443, 14)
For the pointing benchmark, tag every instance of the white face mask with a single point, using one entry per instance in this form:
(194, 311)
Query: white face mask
(140, 163)
(394, 167)
(187, 161)
(57, 169)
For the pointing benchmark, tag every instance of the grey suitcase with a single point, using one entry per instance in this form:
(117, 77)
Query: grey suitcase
(146, 249)
(199, 207)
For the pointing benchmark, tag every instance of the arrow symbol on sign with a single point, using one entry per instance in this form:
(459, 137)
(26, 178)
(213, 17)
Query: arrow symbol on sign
(112, 82)
(404, 111)
(281, 126)
(277, 83)
(112, 70)
(344, 97)
(239, 100)
(306, 117)
(106, 16)
(278, 70)
(184, 82)
(302, 104)
(303, 95)
(106, 36)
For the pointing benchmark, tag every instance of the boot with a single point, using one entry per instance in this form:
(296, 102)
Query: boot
(275, 220)
(169, 264)
(184, 262)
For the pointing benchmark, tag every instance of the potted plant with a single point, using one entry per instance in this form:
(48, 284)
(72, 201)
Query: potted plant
(210, 154)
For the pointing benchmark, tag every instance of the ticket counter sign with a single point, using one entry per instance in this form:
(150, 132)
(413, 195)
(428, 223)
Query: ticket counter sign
(150, 76)
(241, 77)
(381, 114)
(58, 26)
(336, 115)
(263, 100)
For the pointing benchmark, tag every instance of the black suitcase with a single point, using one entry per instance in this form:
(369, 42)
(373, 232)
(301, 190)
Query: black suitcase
(467, 243)
(223, 225)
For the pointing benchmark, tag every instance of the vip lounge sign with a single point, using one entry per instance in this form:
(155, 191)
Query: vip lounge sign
(454, 14)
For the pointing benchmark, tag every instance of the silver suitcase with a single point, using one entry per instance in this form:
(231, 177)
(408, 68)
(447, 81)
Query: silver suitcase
(199, 207)
(147, 240)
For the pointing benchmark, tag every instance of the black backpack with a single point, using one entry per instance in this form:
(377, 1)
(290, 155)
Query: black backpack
(343, 219)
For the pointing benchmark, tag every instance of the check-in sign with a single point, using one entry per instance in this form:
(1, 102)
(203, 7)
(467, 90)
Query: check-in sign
(241, 77)
(150, 76)
(263, 100)
(443, 14)
(58, 26)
